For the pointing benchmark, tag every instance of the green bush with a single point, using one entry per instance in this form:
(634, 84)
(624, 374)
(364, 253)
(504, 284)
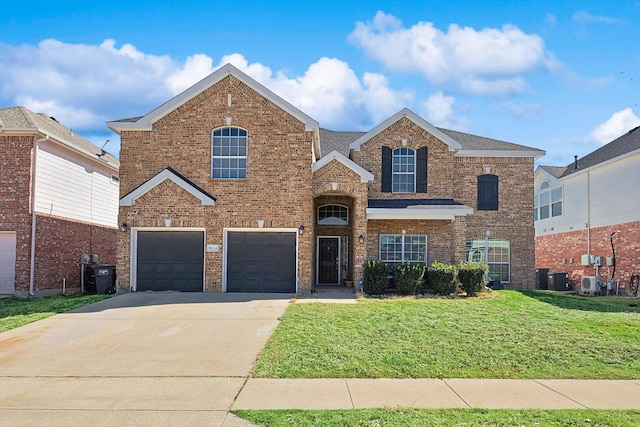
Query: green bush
(375, 277)
(471, 277)
(442, 278)
(409, 277)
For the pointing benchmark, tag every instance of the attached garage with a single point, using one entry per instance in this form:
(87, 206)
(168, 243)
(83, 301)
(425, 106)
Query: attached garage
(7, 262)
(170, 261)
(261, 261)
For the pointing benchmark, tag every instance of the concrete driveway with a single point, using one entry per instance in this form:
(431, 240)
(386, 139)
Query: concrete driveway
(136, 359)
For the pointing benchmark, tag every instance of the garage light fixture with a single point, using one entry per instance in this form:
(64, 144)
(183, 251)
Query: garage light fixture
(124, 227)
(301, 229)
(361, 239)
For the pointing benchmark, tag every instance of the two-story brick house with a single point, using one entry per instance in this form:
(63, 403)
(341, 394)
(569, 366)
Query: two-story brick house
(58, 199)
(228, 187)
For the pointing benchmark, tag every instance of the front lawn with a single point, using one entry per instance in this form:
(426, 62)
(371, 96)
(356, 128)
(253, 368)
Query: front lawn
(16, 312)
(441, 417)
(507, 334)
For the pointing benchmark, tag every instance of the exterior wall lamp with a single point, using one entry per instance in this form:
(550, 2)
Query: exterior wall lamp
(124, 227)
(301, 229)
(361, 238)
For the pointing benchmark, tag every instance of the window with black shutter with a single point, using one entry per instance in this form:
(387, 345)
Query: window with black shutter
(488, 192)
(421, 170)
(387, 169)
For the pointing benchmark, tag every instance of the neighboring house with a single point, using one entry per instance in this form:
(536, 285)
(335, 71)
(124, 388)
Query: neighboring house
(578, 208)
(228, 187)
(59, 199)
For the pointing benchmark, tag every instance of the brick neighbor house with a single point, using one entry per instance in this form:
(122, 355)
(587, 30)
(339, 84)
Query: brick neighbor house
(228, 187)
(579, 208)
(59, 198)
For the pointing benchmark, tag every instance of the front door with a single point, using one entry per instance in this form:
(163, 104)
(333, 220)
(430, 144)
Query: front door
(328, 260)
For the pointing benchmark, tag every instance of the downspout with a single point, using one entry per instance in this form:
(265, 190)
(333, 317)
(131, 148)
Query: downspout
(588, 213)
(32, 266)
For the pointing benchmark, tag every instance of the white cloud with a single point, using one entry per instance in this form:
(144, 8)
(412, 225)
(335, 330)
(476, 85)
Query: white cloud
(526, 111)
(85, 85)
(438, 110)
(489, 61)
(583, 17)
(618, 124)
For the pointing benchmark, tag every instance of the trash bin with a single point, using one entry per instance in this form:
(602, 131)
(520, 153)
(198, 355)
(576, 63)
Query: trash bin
(542, 281)
(100, 279)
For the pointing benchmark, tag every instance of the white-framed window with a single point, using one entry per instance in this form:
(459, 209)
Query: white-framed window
(499, 256)
(398, 248)
(548, 202)
(404, 170)
(333, 215)
(229, 153)
(115, 179)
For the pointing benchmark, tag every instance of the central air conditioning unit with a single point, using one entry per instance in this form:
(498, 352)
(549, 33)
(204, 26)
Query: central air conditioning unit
(590, 285)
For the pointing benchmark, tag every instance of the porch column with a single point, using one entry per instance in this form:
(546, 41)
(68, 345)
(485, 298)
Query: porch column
(360, 253)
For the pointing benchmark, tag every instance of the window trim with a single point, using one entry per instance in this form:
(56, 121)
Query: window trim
(394, 173)
(402, 245)
(480, 248)
(333, 204)
(545, 189)
(238, 157)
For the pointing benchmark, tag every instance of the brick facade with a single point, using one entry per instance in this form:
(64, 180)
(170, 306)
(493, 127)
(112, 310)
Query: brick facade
(284, 189)
(59, 241)
(562, 252)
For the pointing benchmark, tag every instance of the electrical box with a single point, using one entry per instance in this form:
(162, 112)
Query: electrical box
(597, 260)
(84, 258)
(611, 261)
(94, 258)
(585, 259)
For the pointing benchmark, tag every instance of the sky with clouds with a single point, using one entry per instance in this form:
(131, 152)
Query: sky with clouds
(560, 76)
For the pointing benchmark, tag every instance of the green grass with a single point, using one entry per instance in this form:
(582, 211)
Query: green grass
(442, 417)
(15, 312)
(507, 334)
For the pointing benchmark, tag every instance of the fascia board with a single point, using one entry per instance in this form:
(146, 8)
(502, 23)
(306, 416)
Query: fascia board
(130, 199)
(536, 154)
(365, 175)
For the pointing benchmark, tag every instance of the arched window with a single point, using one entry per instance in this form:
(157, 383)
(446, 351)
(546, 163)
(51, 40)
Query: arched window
(496, 251)
(229, 153)
(333, 215)
(548, 202)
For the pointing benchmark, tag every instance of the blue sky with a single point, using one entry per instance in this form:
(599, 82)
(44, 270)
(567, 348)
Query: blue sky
(559, 76)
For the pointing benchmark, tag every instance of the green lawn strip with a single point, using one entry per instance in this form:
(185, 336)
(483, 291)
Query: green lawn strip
(15, 312)
(507, 335)
(441, 417)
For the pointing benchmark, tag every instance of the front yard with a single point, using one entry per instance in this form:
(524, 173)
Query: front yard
(506, 334)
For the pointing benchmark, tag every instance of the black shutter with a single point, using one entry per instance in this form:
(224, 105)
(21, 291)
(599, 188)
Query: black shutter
(488, 192)
(387, 172)
(421, 170)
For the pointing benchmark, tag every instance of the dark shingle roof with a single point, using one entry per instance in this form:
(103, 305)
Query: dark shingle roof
(332, 140)
(627, 143)
(23, 118)
(556, 171)
(405, 203)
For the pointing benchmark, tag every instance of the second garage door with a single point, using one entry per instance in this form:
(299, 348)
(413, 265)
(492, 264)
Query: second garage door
(261, 262)
(170, 261)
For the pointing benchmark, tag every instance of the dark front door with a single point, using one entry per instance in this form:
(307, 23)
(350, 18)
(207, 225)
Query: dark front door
(328, 260)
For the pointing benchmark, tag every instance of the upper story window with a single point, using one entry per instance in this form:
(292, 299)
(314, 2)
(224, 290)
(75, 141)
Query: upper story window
(404, 170)
(548, 202)
(229, 153)
(488, 192)
(333, 215)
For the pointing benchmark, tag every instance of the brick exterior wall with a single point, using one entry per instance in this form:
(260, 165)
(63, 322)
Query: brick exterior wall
(277, 188)
(59, 242)
(562, 252)
(450, 176)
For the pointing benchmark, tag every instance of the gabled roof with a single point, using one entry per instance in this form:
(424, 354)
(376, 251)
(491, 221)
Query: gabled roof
(337, 141)
(171, 174)
(146, 122)
(405, 112)
(365, 175)
(556, 171)
(479, 146)
(24, 121)
(621, 146)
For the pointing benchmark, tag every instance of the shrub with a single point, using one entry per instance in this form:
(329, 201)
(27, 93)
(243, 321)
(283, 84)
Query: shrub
(409, 277)
(374, 276)
(442, 278)
(471, 277)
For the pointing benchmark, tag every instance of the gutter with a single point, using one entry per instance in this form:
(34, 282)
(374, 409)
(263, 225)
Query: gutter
(32, 266)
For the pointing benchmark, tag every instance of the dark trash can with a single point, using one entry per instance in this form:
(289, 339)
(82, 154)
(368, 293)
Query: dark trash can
(100, 279)
(496, 285)
(542, 281)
